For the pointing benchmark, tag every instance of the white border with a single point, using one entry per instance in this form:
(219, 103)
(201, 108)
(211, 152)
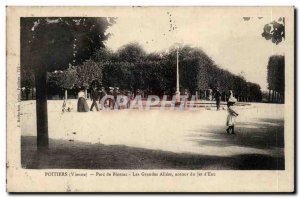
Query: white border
(3, 3)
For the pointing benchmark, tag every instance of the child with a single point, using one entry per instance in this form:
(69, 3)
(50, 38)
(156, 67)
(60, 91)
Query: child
(231, 116)
(67, 106)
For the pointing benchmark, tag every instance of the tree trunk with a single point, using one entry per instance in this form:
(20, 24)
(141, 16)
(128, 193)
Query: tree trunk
(26, 94)
(269, 95)
(86, 96)
(32, 93)
(66, 94)
(41, 110)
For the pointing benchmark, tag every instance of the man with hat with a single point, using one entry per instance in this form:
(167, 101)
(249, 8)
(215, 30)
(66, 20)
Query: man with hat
(102, 94)
(217, 96)
(94, 98)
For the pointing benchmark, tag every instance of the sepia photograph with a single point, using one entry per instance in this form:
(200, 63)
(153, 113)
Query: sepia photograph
(152, 92)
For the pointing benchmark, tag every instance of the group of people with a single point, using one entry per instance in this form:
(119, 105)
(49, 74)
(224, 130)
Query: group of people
(98, 94)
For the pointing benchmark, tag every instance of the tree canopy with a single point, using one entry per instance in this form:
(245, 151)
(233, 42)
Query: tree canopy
(54, 43)
(131, 68)
(276, 72)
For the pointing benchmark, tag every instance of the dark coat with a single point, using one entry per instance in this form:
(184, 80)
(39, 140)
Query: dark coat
(218, 95)
(82, 105)
(102, 94)
(94, 94)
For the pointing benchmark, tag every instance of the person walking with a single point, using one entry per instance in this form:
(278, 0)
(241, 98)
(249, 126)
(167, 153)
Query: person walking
(94, 98)
(217, 96)
(230, 94)
(187, 97)
(231, 117)
(111, 101)
(102, 94)
(116, 93)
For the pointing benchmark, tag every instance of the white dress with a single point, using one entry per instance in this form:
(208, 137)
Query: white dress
(231, 117)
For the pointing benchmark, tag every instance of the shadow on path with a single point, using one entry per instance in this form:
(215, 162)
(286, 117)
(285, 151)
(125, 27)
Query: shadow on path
(77, 155)
(261, 134)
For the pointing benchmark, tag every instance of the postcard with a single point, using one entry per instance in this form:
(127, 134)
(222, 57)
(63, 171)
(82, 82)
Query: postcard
(150, 99)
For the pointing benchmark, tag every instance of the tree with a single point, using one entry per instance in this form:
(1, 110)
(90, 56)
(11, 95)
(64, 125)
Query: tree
(275, 31)
(67, 79)
(104, 55)
(156, 72)
(131, 52)
(49, 44)
(276, 76)
(51, 49)
(27, 81)
(118, 74)
(88, 72)
(194, 64)
(89, 36)
(255, 93)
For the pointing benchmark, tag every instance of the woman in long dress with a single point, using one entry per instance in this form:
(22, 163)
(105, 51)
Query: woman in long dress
(82, 105)
(231, 117)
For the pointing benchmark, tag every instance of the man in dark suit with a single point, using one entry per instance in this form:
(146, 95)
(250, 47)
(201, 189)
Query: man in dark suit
(94, 98)
(218, 98)
(116, 92)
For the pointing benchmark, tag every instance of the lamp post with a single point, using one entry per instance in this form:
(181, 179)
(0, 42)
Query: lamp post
(177, 80)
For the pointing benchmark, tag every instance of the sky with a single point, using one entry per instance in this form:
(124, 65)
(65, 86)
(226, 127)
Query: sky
(232, 42)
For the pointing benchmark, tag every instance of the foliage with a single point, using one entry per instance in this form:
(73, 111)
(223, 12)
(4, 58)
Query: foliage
(254, 92)
(88, 72)
(68, 79)
(156, 72)
(131, 52)
(27, 78)
(55, 43)
(276, 72)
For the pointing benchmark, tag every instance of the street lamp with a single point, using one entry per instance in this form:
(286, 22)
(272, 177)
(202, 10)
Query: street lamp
(177, 80)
